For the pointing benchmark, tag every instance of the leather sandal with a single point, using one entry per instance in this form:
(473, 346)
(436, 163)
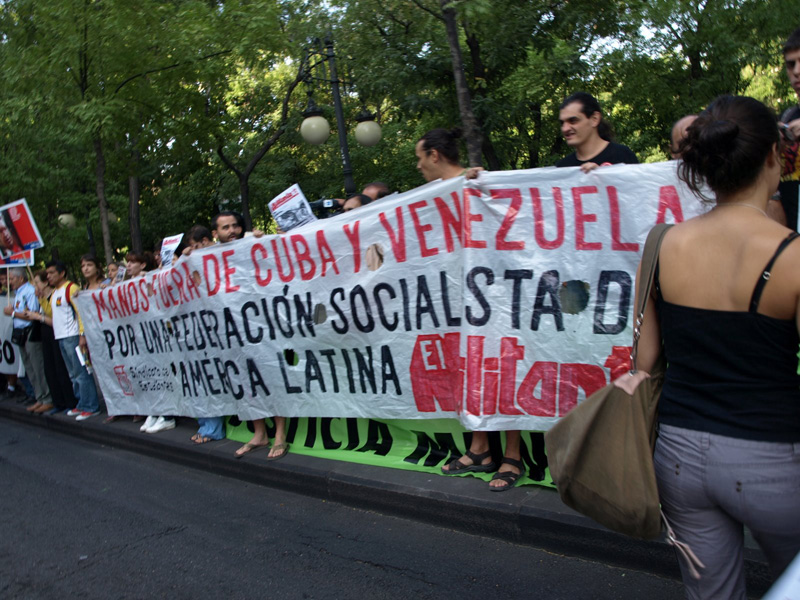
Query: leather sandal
(456, 467)
(509, 477)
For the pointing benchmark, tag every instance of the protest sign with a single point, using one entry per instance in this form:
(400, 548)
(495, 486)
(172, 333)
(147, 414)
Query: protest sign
(9, 353)
(501, 303)
(121, 270)
(290, 209)
(23, 259)
(168, 247)
(18, 231)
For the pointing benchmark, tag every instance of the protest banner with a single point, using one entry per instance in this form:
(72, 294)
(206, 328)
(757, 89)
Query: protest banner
(412, 445)
(18, 230)
(9, 353)
(501, 303)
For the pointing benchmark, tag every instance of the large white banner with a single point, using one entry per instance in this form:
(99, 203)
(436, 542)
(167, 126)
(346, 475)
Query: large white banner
(9, 353)
(502, 302)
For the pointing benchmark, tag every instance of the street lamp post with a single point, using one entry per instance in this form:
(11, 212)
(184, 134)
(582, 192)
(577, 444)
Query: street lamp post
(349, 184)
(315, 129)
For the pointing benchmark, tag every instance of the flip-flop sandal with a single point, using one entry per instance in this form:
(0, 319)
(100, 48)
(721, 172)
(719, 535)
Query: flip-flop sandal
(203, 439)
(509, 477)
(456, 467)
(247, 448)
(195, 437)
(284, 450)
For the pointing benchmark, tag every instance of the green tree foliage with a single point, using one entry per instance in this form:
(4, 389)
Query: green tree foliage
(167, 96)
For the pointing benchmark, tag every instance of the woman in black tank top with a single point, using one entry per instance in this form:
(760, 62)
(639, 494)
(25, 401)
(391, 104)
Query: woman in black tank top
(725, 310)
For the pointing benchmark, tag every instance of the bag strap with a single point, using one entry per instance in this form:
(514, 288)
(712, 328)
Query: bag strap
(648, 270)
(683, 550)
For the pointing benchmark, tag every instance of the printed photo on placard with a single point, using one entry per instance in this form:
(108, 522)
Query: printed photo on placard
(290, 209)
(168, 247)
(23, 259)
(18, 231)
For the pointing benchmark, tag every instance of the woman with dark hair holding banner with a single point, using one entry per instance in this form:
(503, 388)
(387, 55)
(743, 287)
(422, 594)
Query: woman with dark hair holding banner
(726, 307)
(92, 271)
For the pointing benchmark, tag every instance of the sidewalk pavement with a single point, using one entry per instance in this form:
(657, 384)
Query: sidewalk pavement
(530, 515)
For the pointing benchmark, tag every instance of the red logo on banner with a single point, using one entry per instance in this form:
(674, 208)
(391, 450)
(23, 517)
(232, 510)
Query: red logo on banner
(549, 389)
(124, 382)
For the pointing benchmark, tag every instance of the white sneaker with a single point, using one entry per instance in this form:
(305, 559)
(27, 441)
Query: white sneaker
(148, 423)
(162, 424)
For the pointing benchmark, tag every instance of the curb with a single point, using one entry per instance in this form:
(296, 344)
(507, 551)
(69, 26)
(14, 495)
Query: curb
(533, 516)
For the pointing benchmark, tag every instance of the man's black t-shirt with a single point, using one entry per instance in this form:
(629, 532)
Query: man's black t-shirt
(613, 154)
(789, 187)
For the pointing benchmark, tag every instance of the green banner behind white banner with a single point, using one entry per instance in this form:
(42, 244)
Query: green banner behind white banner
(410, 444)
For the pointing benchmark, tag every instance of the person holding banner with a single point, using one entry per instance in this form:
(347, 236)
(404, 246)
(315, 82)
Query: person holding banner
(438, 158)
(228, 226)
(726, 309)
(68, 331)
(789, 188)
(211, 428)
(92, 272)
(111, 271)
(437, 154)
(585, 130)
(28, 337)
(138, 265)
(55, 370)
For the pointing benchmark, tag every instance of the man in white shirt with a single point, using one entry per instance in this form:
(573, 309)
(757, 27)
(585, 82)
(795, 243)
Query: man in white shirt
(68, 331)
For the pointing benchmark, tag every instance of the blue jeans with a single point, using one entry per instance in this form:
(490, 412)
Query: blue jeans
(213, 427)
(82, 382)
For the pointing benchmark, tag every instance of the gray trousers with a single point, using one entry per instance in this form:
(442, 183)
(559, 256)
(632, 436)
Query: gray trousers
(33, 359)
(711, 486)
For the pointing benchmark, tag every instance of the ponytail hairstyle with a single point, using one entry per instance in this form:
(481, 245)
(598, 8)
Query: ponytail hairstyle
(727, 145)
(589, 106)
(444, 141)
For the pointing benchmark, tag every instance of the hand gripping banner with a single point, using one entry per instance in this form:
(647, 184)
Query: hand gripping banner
(502, 301)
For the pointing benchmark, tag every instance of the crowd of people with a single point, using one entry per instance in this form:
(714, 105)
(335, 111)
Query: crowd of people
(729, 416)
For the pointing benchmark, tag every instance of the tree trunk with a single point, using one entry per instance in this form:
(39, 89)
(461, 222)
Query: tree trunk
(100, 173)
(483, 82)
(536, 142)
(133, 213)
(134, 194)
(244, 192)
(244, 175)
(492, 160)
(472, 132)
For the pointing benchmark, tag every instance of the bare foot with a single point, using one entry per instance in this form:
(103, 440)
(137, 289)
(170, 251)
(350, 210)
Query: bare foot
(250, 446)
(278, 450)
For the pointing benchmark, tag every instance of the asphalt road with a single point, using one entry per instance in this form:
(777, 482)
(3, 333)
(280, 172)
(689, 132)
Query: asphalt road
(82, 520)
